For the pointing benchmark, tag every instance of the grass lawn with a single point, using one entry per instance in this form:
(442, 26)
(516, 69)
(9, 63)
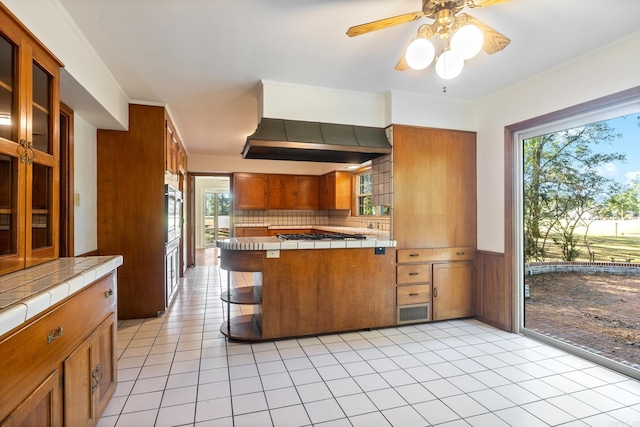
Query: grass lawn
(617, 239)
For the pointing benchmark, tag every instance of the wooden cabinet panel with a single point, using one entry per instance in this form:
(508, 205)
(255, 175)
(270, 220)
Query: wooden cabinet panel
(417, 273)
(436, 254)
(453, 293)
(276, 231)
(249, 191)
(251, 231)
(131, 208)
(336, 190)
(307, 192)
(434, 187)
(293, 192)
(43, 407)
(281, 191)
(107, 359)
(78, 402)
(323, 290)
(90, 376)
(413, 294)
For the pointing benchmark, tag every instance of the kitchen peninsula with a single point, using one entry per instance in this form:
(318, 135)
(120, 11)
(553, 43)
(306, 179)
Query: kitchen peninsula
(308, 287)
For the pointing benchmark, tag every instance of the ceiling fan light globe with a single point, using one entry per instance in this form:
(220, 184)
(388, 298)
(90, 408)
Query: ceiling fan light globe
(467, 41)
(420, 53)
(449, 65)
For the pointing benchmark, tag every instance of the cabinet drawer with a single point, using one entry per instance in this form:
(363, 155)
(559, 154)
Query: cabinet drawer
(418, 273)
(412, 294)
(436, 254)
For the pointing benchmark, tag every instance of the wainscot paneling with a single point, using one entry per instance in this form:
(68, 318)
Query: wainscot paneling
(494, 296)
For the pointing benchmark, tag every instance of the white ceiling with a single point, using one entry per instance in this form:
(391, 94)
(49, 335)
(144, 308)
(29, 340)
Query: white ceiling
(204, 58)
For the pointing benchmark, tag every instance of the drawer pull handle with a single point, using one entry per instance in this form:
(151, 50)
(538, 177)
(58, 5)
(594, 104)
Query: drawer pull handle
(435, 292)
(414, 254)
(97, 376)
(413, 274)
(459, 253)
(108, 293)
(414, 294)
(54, 334)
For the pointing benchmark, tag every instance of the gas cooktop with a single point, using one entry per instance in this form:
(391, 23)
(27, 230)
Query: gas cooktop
(321, 236)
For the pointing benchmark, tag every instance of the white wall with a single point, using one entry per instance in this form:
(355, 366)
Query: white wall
(85, 184)
(89, 83)
(603, 72)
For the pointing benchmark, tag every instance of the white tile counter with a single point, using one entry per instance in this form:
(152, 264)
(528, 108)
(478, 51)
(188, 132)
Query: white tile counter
(27, 293)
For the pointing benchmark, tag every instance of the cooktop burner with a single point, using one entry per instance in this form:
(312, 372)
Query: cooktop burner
(321, 236)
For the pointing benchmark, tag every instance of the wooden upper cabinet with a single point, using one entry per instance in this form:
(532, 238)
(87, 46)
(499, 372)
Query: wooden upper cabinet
(293, 192)
(336, 191)
(29, 147)
(281, 190)
(307, 192)
(434, 187)
(171, 148)
(249, 191)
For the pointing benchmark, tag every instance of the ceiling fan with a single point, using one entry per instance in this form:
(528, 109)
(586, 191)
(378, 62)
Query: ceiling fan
(461, 35)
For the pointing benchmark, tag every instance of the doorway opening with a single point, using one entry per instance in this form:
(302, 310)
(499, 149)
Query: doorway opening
(212, 208)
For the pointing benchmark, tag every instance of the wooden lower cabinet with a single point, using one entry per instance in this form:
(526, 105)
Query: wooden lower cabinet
(60, 368)
(453, 293)
(90, 376)
(312, 291)
(251, 231)
(435, 284)
(43, 407)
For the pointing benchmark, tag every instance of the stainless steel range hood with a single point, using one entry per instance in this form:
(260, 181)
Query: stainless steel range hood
(278, 139)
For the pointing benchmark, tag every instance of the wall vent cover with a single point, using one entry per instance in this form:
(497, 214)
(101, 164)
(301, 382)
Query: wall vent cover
(413, 313)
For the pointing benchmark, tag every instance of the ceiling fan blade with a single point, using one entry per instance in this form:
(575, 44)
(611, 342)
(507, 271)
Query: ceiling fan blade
(383, 23)
(402, 64)
(483, 3)
(493, 40)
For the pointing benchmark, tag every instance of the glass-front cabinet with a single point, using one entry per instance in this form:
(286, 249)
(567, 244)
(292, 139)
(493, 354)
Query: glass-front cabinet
(29, 144)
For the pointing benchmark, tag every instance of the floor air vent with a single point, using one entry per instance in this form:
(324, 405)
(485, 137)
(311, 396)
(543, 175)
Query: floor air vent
(413, 313)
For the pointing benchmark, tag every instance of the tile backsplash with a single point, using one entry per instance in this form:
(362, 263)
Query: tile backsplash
(311, 218)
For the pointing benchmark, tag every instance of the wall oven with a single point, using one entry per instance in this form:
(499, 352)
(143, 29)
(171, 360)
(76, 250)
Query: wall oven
(173, 212)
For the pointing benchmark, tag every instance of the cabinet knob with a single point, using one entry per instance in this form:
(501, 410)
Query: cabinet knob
(435, 292)
(53, 335)
(108, 293)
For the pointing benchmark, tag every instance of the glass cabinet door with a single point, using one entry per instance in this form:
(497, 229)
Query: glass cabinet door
(29, 140)
(42, 151)
(12, 162)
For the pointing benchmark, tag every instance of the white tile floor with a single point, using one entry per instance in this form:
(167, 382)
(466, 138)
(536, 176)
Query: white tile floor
(179, 370)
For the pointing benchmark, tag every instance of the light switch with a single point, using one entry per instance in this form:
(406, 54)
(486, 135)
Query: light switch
(76, 199)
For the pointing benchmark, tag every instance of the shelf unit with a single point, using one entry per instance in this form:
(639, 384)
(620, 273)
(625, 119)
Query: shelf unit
(245, 327)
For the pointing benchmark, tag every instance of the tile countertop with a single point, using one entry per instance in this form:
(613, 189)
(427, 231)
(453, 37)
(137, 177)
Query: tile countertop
(26, 293)
(273, 243)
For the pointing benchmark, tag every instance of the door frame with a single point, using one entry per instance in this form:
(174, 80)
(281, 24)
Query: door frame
(67, 195)
(513, 216)
(191, 203)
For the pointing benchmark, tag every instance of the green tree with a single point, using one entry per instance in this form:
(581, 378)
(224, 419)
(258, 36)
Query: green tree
(562, 185)
(625, 202)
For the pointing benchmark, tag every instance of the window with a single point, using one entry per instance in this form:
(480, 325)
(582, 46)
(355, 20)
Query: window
(364, 193)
